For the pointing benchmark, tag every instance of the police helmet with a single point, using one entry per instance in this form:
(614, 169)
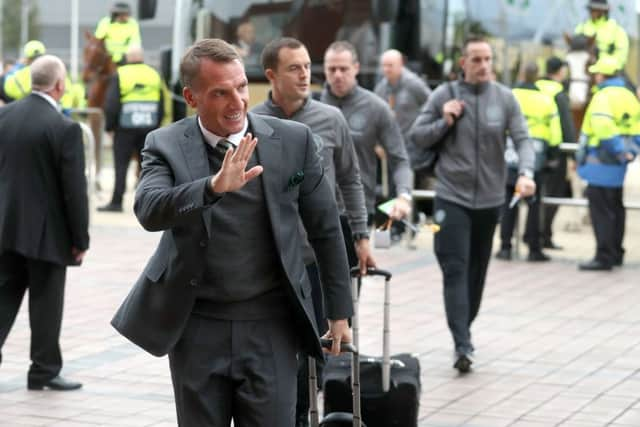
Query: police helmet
(598, 5)
(33, 49)
(120, 8)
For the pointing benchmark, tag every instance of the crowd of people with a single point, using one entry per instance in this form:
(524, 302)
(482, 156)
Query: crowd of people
(263, 212)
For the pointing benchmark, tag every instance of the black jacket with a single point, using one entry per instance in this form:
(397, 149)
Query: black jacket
(43, 192)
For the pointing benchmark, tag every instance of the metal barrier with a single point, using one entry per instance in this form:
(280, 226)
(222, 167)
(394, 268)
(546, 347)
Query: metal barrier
(91, 164)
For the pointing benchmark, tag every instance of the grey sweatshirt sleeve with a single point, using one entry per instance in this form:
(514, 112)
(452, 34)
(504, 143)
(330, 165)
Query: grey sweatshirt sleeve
(393, 143)
(519, 133)
(348, 178)
(429, 127)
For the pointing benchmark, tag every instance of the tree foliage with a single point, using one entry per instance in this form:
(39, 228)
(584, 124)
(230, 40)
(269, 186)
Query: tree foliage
(11, 19)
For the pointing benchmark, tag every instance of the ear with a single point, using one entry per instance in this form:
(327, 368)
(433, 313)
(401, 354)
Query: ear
(270, 75)
(187, 93)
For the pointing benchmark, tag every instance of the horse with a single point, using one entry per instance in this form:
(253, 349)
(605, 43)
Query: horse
(582, 53)
(98, 69)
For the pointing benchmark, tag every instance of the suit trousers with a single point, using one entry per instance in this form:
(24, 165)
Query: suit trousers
(45, 282)
(126, 142)
(463, 249)
(243, 370)
(608, 218)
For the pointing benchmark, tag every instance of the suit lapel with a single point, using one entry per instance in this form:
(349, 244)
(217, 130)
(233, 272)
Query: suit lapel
(269, 155)
(195, 155)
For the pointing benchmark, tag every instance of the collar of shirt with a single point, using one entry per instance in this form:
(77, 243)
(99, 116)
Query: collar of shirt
(212, 139)
(48, 98)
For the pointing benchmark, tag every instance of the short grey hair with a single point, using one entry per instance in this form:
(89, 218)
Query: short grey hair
(46, 71)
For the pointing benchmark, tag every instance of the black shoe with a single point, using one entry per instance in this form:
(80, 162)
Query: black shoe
(463, 363)
(504, 254)
(550, 245)
(594, 265)
(58, 384)
(537, 256)
(111, 207)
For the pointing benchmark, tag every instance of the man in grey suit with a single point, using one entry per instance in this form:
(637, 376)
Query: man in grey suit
(226, 293)
(44, 216)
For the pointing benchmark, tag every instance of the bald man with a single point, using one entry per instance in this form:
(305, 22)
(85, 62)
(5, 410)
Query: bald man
(133, 108)
(402, 89)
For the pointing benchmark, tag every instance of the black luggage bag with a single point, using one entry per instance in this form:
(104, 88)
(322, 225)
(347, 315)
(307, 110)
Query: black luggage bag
(389, 385)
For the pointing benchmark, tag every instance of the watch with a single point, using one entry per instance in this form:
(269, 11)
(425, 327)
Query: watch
(527, 172)
(360, 236)
(406, 196)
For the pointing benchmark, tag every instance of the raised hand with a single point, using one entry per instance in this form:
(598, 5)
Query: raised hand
(233, 174)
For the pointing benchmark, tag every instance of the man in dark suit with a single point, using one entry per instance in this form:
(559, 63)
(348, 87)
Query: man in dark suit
(43, 216)
(226, 293)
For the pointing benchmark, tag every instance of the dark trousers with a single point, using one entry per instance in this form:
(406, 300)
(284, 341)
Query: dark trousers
(302, 405)
(555, 185)
(463, 248)
(607, 217)
(46, 297)
(243, 370)
(509, 218)
(126, 143)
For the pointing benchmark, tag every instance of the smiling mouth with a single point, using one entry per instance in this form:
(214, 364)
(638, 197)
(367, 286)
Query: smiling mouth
(234, 117)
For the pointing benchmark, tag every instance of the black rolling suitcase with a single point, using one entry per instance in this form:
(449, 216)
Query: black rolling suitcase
(389, 385)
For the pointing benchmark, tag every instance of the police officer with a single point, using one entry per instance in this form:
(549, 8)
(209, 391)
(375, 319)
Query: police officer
(371, 123)
(120, 32)
(543, 123)
(16, 84)
(610, 138)
(133, 108)
(556, 183)
(611, 38)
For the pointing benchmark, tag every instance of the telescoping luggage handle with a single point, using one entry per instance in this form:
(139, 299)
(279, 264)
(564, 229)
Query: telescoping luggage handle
(386, 330)
(356, 417)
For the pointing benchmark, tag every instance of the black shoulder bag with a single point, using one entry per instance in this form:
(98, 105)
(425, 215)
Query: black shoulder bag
(423, 159)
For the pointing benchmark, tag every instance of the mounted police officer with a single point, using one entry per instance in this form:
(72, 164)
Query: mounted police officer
(610, 138)
(611, 38)
(120, 32)
(133, 108)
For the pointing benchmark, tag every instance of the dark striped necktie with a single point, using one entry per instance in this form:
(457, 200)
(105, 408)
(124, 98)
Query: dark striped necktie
(221, 148)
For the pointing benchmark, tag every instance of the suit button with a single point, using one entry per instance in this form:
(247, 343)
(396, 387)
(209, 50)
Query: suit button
(193, 282)
(203, 243)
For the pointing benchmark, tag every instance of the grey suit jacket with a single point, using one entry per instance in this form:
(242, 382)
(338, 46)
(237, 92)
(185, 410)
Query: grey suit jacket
(170, 197)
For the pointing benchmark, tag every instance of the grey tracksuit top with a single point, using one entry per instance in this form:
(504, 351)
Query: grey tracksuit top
(471, 169)
(331, 133)
(410, 93)
(371, 122)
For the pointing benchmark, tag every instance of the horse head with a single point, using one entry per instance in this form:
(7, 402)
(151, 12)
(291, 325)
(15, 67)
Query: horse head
(582, 53)
(96, 59)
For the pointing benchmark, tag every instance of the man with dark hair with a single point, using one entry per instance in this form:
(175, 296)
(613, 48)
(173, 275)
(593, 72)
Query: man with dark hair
(44, 217)
(470, 131)
(556, 183)
(226, 294)
(371, 123)
(287, 66)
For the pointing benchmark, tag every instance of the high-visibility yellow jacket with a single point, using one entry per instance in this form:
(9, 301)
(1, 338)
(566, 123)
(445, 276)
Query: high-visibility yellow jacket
(118, 36)
(140, 89)
(610, 130)
(611, 38)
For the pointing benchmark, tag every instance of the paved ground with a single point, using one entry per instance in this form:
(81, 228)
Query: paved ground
(555, 347)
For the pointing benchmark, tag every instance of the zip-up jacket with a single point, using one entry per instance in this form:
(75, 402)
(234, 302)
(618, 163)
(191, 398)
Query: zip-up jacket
(471, 168)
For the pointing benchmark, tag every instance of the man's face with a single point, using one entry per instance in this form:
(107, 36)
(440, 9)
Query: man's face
(596, 14)
(477, 63)
(122, 17)
(391, 66)
(291, 80)
(340, 71)
(220, 95)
